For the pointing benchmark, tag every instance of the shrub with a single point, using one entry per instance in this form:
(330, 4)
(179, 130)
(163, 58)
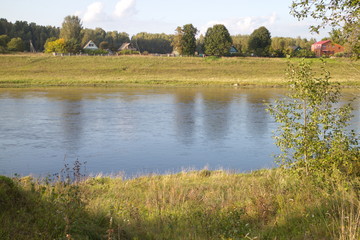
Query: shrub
(304, 53)
(95, 52)
(128, 52)
(16, 44)
(313, 134)
(340, 54)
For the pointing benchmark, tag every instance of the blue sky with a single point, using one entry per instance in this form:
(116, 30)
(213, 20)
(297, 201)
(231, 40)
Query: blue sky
(157, 16)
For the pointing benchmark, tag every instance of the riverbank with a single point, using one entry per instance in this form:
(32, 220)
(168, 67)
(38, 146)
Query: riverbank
(265, 204)
(40, 70)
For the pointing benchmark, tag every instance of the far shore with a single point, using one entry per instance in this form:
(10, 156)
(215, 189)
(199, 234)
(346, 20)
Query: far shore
(46, 70)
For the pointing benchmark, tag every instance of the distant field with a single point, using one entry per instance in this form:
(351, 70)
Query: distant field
(47, 70)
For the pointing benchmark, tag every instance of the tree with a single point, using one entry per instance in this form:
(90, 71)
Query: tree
(241, 42)
(16, 44)
(260, 42)
(217, 41)
(188, 40)
(4, 39)
(177, 41)
(339, 14)
(104, 45)
(200, 44)
(71, 31)
(153, 42)
(313, 134)
(57, 46)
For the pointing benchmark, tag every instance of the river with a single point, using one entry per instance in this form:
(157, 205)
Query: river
(136, 131)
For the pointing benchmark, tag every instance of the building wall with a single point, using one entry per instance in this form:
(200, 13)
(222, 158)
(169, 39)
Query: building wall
(327, 49)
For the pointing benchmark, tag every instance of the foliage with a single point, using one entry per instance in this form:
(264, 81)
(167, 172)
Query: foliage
(153, 42)
(129, 52)
(15, 44)
(57, 46)
(331, 13)
(4, 39)
(241, 42)
(260, 42)
(104, 45)
(264, 204)
(200, 44)
(286, 46)
(177, 40)
(313, 135)
(22, 29)
(188, 41)
(71, 29)
(217, 41)
(95, 51)
(339, 54)
(114, 38)
(72, 46)
(184, 41)
(304, 53)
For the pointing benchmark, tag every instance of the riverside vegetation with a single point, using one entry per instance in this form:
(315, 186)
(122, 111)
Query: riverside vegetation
(314, 194)
(265, 204)
(45, 70)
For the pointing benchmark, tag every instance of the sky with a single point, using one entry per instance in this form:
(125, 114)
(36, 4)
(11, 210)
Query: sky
(163, 16)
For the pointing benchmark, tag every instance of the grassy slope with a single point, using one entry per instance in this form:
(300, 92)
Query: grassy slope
(265, 204)
(46, 70)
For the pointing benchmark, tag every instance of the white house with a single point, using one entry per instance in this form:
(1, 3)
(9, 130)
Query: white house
(90, 45)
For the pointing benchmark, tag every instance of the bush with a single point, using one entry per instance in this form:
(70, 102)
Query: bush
(304, 53)
(16, 44)
(313, 133)
(57, 46)
(95, 52)
(340, 54)
(128, 52)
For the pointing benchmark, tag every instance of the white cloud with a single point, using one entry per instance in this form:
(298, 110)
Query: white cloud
(243, 25)
(124, 8)
(94, 12)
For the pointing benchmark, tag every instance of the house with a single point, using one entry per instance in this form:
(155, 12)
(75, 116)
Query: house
(295, 48)
(233, 50)
(326, 48)
(90, 46)
(127, 46)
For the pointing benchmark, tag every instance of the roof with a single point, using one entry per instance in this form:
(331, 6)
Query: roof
(90, 42)
(322, 42)
(126, 46)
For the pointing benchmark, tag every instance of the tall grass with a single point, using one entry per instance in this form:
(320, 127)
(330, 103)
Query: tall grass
(266, 204)
(46, 70)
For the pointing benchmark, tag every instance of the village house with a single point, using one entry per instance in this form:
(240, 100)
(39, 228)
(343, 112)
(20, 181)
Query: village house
(326, 48)
(233, 50)
(90, 46)
(127, 46)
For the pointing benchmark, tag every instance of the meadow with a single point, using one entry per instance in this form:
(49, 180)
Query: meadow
(33, 70)
(265, 204)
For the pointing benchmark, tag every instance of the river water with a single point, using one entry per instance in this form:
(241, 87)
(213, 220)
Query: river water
(138, 131)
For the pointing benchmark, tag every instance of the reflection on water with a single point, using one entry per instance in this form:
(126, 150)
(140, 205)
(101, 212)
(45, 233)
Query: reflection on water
(137, 131)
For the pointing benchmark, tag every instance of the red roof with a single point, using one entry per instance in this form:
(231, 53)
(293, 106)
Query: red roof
(322, 42)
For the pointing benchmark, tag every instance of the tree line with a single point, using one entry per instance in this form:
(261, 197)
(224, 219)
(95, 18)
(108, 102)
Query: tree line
(217, 41)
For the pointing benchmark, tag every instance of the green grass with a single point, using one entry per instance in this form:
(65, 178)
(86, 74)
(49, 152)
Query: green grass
(47, 70)
(266, 204)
